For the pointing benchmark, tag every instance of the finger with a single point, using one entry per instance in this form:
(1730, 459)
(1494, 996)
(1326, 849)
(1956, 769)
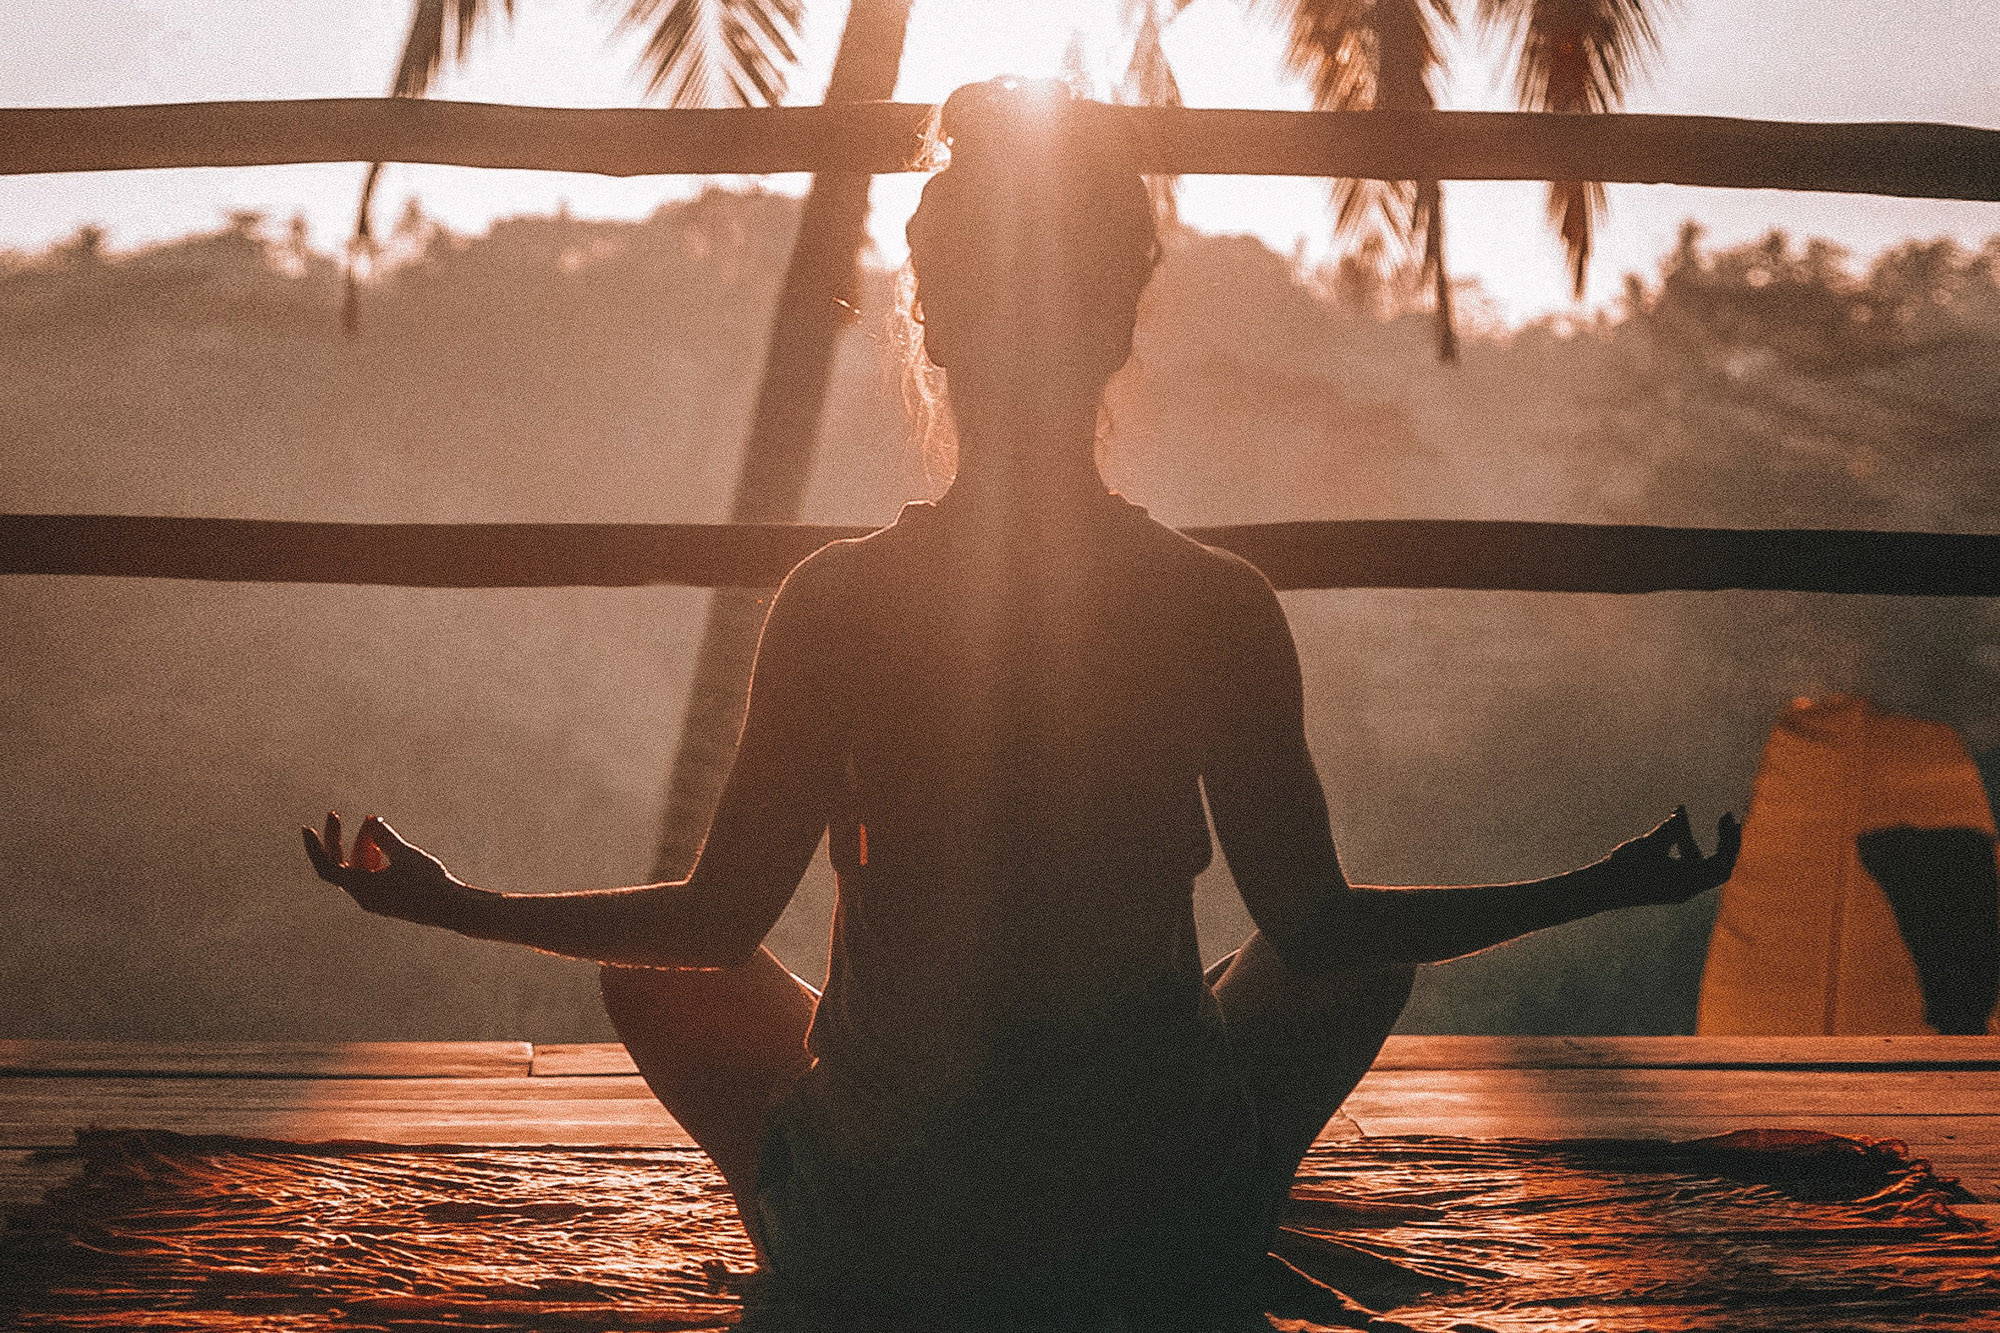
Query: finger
(368, 853)
(334, 847)
(1681, 831)
(1728, 839)
(399, 850)
(393, 845)
(323, 865)
(1660, 834)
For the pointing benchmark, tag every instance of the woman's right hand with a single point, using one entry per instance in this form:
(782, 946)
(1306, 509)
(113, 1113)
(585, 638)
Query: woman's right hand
(1667, 864)
(388, 876)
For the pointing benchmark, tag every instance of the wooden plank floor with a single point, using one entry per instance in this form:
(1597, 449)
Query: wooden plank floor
(1940, 1095)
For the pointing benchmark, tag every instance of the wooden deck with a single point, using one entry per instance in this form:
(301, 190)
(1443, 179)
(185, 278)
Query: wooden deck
(1940, 1095)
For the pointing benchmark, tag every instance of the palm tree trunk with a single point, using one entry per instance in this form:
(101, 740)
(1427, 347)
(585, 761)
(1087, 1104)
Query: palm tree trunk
(814, 308)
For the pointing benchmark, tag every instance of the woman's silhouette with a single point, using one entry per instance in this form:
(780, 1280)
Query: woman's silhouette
(1020, 1103)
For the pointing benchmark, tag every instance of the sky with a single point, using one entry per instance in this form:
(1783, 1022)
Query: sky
(1820, 60)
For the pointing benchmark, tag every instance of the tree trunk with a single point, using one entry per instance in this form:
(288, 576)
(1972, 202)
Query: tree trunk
(815, 307)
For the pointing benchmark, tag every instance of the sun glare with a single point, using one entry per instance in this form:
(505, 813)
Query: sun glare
(955, 44)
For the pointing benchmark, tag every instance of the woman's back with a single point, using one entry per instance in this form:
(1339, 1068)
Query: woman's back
(1027, 721)
(1015, 997)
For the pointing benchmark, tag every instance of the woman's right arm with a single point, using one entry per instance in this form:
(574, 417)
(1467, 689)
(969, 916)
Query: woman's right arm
(766, 828)
(647, 925)
(1270, 817)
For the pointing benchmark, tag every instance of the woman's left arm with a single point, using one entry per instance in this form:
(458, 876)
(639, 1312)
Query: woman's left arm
(765, 830)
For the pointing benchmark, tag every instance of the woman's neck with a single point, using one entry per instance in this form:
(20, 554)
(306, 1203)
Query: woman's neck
(1026, 453)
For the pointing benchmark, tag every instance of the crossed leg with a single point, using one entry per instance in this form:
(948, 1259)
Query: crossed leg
(718, 1048)
(1302, 1042)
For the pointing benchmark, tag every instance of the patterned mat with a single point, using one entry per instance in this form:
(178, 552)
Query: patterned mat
(1752, 1232)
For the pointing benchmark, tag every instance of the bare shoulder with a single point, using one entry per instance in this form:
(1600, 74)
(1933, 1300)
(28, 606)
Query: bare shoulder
(851, 562)
(817, 584)
(1240, 579)
(1220, 578)
(841, 577)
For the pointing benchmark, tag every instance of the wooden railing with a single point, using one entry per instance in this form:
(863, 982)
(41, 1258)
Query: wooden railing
(1412, 553)
(1917, 160)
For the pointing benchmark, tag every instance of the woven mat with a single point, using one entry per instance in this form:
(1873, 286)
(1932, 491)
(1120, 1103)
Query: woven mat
(1763, 1230)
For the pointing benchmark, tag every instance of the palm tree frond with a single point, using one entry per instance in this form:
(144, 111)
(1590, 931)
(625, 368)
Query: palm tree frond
(1427, 216)
(1407, 36)
(1364, 55)
(1329, 43)
(1579, 57)
(676, 55)
(1371, 207)
(1574, 208)
(440, 33)
(1370, 55)
(423, 50)
(1149, 81)
(763, 40)
(1149, 76)
(1074, 68)
(1575, 55)
(717, 52)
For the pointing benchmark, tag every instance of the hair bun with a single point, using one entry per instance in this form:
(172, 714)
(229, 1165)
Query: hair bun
(1014, 124)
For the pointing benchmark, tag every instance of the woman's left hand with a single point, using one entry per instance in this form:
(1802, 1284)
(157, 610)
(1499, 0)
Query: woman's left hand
(1667, 865)
(386, 875)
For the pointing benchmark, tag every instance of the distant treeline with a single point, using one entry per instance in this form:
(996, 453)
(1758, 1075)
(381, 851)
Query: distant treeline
(166, 739)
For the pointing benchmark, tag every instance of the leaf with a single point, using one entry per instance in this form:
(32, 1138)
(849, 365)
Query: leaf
(1149, 81)
(697, 52)
(1427, 216)
(1149, 76)
(440, 32)
(1370, 55)
(1579, 57)
(717, 52)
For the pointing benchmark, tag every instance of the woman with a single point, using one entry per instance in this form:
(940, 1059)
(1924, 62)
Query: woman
(1020, 1103)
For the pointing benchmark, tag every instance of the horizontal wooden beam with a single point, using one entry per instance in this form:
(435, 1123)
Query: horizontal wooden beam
(268, 1059)
(1917, 160)
(1369, 553)
(1425, 1052)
